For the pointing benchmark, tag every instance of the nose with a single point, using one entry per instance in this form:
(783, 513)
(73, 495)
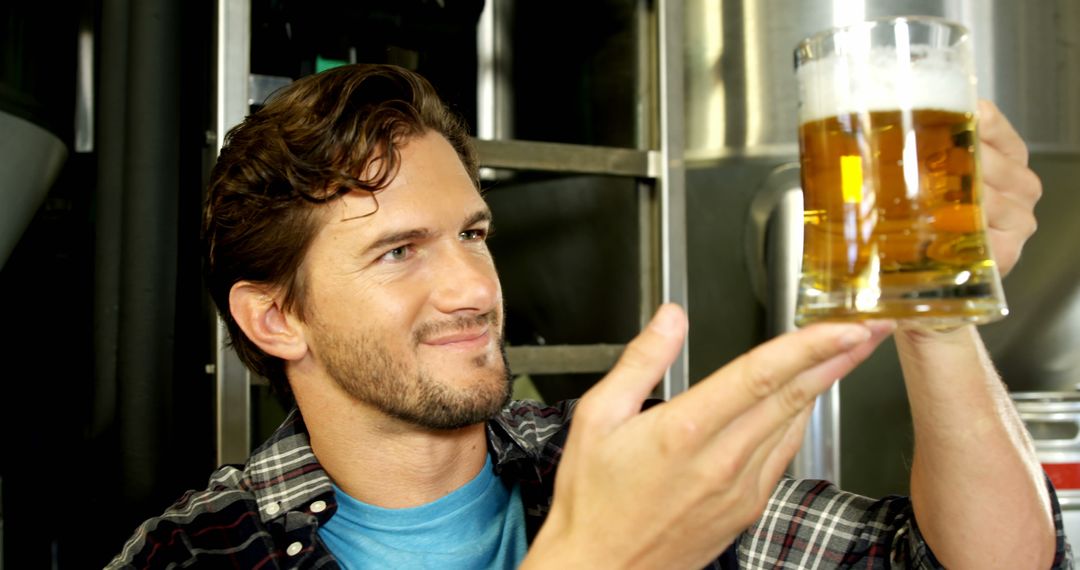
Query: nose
(465, 280)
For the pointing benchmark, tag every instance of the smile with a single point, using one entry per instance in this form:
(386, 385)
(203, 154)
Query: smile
(463, 340)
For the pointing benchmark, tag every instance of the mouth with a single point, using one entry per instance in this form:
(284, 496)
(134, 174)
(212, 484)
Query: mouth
(462, 340)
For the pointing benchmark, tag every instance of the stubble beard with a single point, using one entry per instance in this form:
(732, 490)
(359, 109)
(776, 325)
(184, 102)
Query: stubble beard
(367, 370)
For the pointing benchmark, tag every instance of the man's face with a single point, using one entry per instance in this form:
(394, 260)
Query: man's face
(404, 306)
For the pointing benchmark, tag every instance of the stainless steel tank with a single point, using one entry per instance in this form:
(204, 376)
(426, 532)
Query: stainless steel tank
(32, 157)
(741, 143)
(739, 81)
(33, 114)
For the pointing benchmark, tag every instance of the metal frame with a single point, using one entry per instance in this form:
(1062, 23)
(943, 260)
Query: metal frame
(232, 379)
(672, 180)
(661, 174)
(561, 358)
(568, 158)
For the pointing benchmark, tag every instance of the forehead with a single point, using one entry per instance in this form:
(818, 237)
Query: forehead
(430, 188)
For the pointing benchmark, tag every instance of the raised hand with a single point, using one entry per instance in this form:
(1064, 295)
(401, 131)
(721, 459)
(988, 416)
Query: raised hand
(1011, 188)
(672, 486)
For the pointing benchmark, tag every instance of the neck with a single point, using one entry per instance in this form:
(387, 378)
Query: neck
(384, 461)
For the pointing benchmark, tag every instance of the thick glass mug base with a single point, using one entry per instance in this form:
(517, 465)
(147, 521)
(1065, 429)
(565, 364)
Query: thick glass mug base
(935, 307)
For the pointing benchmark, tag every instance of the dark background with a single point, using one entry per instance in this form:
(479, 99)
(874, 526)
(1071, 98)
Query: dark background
(109, 406)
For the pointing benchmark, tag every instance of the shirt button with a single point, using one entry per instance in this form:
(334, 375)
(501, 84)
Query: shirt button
(318, 506)
(273, 509)
(294, 549)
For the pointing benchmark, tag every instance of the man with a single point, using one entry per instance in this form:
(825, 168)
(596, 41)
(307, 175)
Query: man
(346, 250)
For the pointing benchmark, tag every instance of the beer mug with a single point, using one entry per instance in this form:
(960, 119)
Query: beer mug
(893, 225)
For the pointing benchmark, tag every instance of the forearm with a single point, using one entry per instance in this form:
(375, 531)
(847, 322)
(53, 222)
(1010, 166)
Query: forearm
(978, 492)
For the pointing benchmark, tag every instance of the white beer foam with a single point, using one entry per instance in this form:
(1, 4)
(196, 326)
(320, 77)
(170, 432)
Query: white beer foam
(879, 80)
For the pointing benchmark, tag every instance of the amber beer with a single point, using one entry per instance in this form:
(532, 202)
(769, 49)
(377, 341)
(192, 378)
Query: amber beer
(893, 226)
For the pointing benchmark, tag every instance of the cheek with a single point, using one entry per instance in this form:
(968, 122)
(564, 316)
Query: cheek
(370, 309)
(394, 309)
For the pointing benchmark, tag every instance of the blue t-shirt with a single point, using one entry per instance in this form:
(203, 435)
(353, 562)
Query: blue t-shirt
(480, 525)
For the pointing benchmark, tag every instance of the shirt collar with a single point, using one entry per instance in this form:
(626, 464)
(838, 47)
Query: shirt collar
(284, 474)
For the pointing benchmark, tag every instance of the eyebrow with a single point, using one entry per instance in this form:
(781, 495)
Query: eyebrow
(478, 217)
(386, 240)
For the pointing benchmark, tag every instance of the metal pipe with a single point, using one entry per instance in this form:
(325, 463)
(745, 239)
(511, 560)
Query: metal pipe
(84, 85)
(231, 377)
(494, 44)
(148, 247)
(774, 253)
(108, 208)
(673, 180)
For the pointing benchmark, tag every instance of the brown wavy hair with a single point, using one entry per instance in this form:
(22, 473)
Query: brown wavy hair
(317, 139)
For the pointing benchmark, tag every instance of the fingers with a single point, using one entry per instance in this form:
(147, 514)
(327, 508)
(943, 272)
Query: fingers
(756, 477)
(758, 445)
(752, 429)
(1005, 177)
(768, 371)
(619, 395)
(1011, 191)
(842, 364)
(996, 131)
(781, 454)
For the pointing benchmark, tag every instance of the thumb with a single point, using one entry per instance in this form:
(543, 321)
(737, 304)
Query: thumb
(639, 369)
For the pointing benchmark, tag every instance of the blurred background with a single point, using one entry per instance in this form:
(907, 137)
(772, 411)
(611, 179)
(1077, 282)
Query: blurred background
(646, 150)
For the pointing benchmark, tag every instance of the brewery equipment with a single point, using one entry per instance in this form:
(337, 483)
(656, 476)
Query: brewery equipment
(32, 132)
(576, 82)
(1053, 420)
(741, 129)
(32, 158)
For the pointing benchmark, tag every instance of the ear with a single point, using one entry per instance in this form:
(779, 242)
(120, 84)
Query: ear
(257, 310)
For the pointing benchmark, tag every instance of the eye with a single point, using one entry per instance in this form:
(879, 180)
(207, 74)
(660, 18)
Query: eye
(399, 253)
(476, 234)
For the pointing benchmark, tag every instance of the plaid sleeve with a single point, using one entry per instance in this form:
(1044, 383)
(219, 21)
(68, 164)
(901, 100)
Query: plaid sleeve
(1063, 557)
(810, 524)
(202, 527)
(813, 524)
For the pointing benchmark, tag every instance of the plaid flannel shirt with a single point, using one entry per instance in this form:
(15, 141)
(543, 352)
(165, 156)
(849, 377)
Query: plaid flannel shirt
(266, 514)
